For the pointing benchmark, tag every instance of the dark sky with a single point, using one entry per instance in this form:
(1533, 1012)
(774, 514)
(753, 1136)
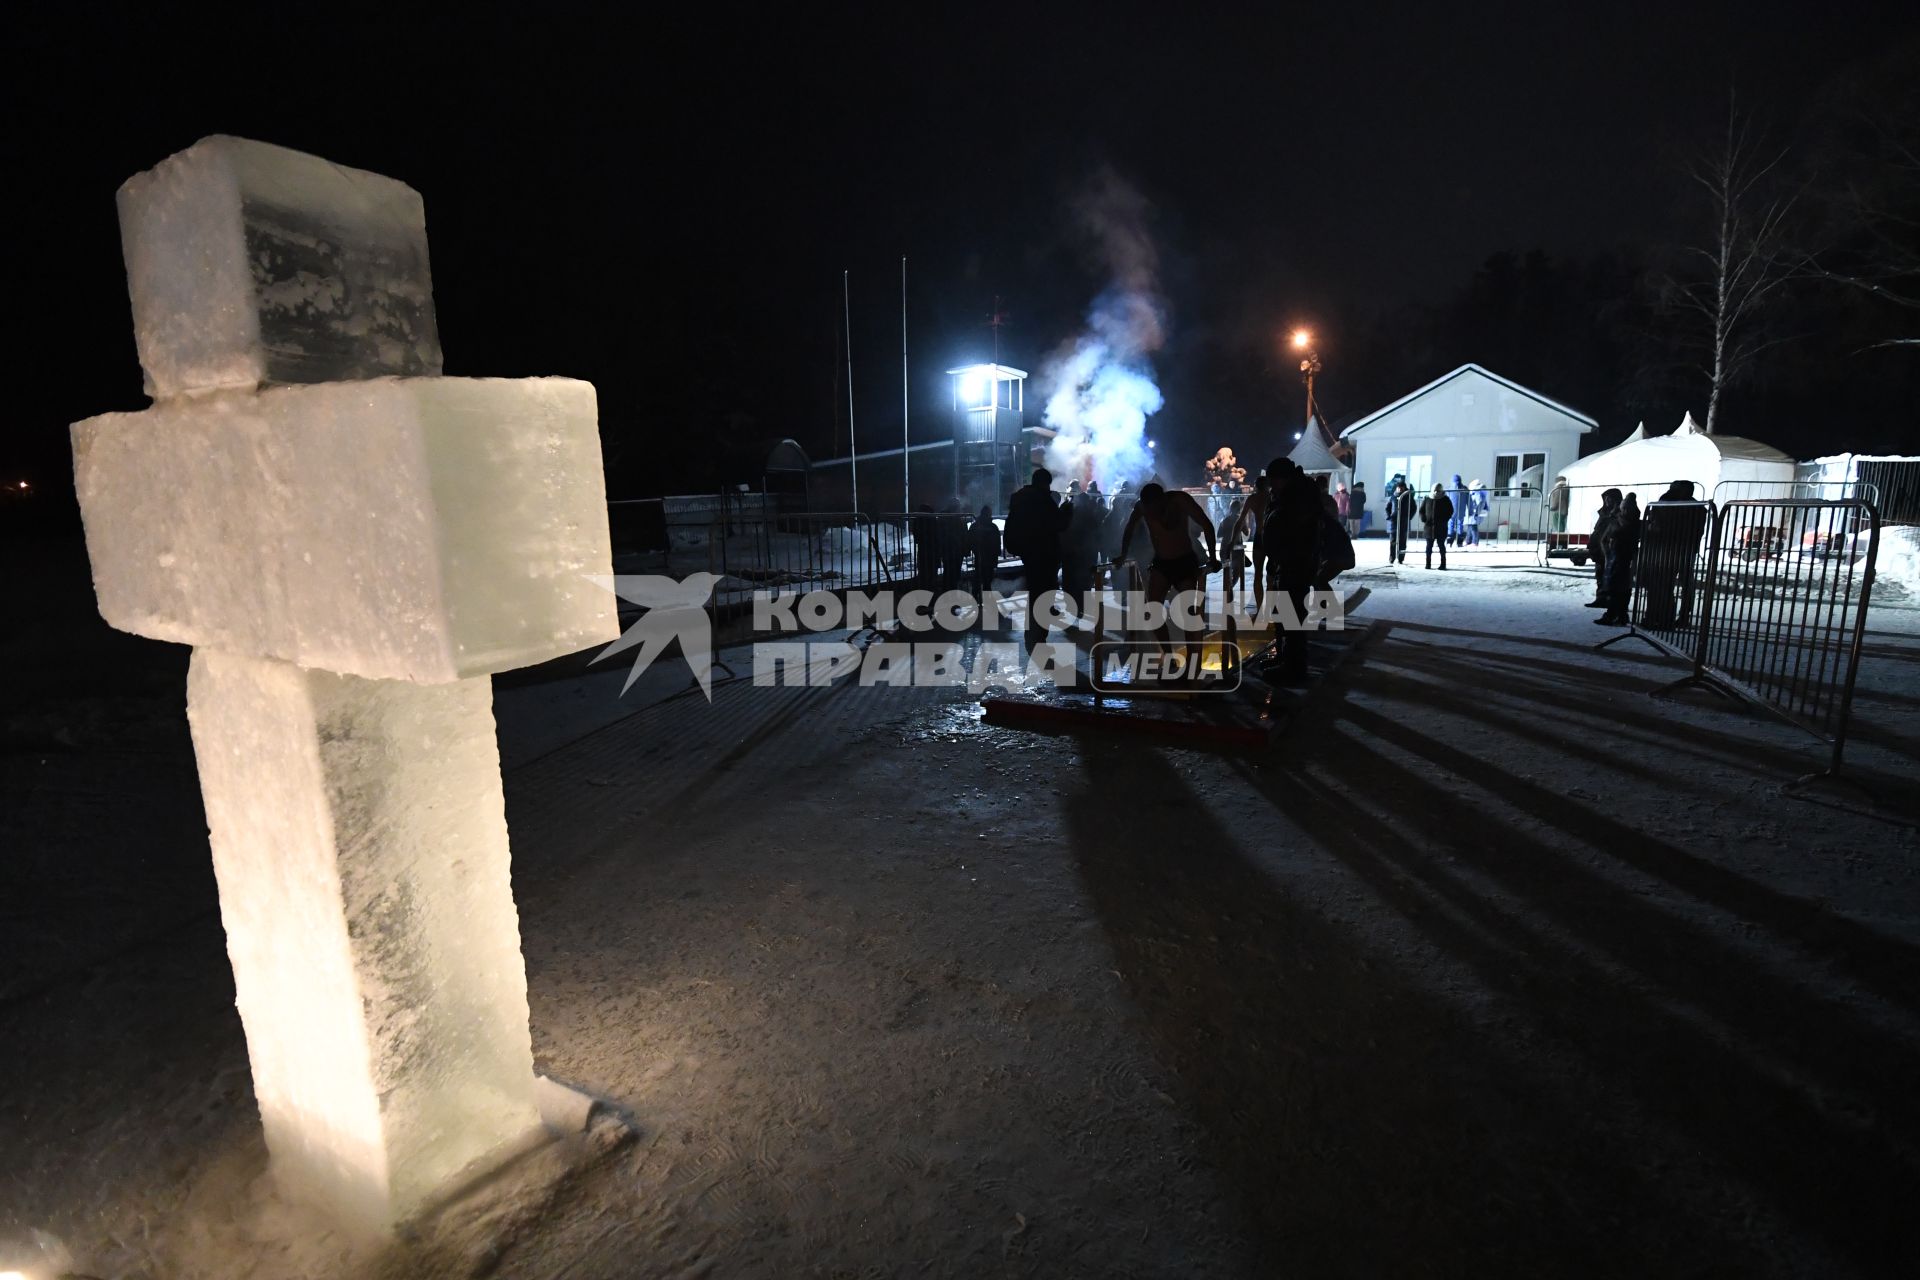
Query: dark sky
(663, 203)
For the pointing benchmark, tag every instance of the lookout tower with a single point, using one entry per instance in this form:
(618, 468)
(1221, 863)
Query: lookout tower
(989, 410)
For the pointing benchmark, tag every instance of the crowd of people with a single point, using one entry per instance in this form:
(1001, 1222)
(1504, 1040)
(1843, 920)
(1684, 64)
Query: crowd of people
(1288, 530)
(1293, 535)
(1659, 547)
(1450, 516)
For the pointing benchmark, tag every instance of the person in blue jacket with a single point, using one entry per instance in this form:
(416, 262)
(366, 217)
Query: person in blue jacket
(1457, 523)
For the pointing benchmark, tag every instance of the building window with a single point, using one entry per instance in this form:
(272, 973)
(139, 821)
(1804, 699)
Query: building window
(1523, 472)
(1416, 467)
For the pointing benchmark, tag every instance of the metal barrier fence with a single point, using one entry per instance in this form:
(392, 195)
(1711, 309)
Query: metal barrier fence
(1669, 566)
(1897, 487)
(1775, 490)
(1571, 520)
(929, 549)
(1782, 602)
(1513, 520)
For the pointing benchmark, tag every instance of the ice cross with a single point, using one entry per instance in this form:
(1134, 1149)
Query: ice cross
(352, 544)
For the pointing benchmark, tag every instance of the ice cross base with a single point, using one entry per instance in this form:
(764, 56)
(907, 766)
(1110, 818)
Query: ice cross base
(350, 558)
(360, 841)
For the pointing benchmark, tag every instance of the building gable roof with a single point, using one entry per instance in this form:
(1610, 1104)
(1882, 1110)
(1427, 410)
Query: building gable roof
(1586, 423)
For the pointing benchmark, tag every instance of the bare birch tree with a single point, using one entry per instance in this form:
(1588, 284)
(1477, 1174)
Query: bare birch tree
(1744, 262)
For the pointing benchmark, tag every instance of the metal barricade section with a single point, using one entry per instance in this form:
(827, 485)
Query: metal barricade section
(792, 553)
(1513, 520)
(1670, 567)
(1571, 519)
(1777, 490)
(1777, 613)
(1787, 607)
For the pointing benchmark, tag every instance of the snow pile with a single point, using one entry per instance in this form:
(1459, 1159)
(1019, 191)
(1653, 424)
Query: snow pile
(1898, 559)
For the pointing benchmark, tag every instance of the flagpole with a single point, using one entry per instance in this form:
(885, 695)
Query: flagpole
(906, 463)
(853, 441)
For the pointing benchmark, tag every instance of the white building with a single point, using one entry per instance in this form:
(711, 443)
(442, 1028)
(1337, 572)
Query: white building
(1472, 423)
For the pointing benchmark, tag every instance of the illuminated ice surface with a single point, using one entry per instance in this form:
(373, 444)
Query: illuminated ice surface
(423, 529)
(251, 263)
(360, 841)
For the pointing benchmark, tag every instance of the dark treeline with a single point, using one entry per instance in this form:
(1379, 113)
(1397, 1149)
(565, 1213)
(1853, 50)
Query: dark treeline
(1815, 225)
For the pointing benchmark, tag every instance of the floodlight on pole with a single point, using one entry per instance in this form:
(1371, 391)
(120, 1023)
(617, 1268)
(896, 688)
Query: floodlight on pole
(1309, 365)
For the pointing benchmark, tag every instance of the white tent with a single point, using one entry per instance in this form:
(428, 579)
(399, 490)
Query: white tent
(1313, 456)
(1647, 465)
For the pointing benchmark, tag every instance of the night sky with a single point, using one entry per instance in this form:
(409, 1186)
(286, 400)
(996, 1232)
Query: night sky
(664, 206)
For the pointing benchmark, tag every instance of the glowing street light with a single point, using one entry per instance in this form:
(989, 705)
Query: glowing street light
(1309, 365)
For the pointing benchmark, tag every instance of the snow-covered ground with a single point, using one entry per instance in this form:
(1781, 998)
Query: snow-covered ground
(1497, 966)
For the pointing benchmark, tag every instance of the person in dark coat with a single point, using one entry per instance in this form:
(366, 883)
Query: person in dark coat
(1597, 546)
(1035, 522)
(1080, 549)
(925, 531)
(1399, 519)
(1356, 508)
(1233, 556)
(983, 540)
(1252, 516)
(1290, 531)
(1623, 545)
(1436, 513)
(1457, 522)
(1118, 511)
(1670, 538)
(951, 538)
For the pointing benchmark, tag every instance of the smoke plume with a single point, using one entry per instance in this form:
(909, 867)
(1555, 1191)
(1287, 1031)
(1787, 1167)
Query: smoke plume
(1099, 385)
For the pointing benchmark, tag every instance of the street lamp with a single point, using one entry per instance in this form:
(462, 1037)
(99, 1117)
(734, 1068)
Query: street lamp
(1309, 365)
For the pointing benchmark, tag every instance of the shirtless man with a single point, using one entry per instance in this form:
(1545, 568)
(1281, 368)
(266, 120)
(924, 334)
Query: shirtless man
(1175, 567)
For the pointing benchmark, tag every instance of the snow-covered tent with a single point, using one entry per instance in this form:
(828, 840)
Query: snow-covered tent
(1312, 455)
(1648, 464)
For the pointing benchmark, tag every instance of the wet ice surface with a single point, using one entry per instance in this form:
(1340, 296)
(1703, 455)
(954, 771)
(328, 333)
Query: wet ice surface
(1505, 969)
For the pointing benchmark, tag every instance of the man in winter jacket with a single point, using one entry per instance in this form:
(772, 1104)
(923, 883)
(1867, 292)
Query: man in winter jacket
(1597, 546)
(1457, 522)
(1035, 522)
(1436, 513)
(1399, 519)
(1290, 535)
(983, 539)
(1623, 545)
(1670, 538)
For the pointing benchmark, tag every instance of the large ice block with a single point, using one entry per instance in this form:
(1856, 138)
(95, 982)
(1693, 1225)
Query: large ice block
(250, 263)
(424, 529)
(360, 841)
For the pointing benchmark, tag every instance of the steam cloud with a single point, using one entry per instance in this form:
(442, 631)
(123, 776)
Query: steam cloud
(1099, 385)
